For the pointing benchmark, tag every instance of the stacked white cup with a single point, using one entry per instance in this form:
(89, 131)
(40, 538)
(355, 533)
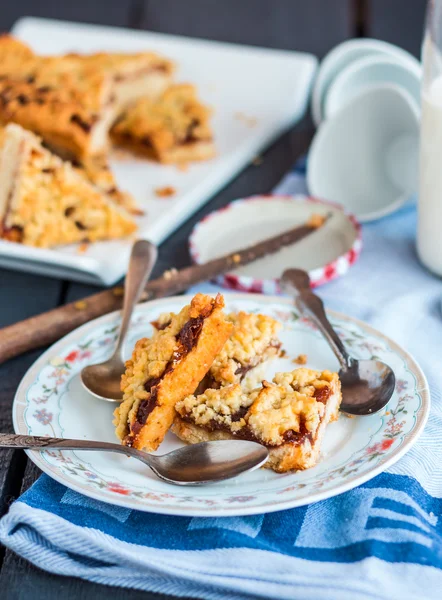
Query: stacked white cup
(366, 104)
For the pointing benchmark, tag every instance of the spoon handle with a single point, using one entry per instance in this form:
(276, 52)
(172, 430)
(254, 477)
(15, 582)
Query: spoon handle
(142, 261)
(297, 282)
(30, 442)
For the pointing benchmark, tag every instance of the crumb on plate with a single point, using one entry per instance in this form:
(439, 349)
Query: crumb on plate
(83, 247)
(249, 121)
(137, 212)
(165, 192)
(301, 359)
(316, 220)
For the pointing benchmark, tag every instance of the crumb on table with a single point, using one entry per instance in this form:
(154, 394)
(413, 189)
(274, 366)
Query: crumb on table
(301, 359)
(80, 304)
(170, 273)
(183, 167)
(165, 192)
(118, 291)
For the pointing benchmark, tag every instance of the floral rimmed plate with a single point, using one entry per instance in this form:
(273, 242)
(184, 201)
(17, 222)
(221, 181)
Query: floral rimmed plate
(50, 401)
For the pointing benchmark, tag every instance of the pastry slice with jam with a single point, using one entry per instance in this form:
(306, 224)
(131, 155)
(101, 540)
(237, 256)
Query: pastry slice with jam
(166, 368)
(289, 416)
(253, 342)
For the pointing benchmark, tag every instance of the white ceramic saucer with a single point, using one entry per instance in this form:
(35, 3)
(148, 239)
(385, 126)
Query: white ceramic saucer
(51, 401)
(325, 254)
(368, 72)
(366, 156)
(343, 55)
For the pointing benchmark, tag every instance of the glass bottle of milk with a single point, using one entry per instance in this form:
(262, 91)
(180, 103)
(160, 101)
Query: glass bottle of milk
(429, 233)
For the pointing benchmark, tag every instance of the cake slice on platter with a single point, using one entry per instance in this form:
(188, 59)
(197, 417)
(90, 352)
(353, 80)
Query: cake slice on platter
(15, 55)
(133, 76)
(288, 416)
(45, 202)
(97, 170)
(71, 101)
(174, 128)
(68, 126)
(166, 368)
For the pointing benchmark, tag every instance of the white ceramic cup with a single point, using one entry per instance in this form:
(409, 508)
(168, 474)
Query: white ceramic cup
(370, 71)
(366, 156)
(343, 55)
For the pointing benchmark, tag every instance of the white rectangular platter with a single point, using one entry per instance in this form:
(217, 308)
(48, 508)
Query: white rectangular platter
(256, 94)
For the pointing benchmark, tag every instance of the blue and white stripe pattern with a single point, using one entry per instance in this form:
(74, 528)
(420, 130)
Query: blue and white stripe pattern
(382, 540)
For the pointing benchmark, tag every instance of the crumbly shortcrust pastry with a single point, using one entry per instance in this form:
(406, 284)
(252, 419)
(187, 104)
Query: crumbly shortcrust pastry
(71, 101)
(171, 129)
(166, 368)
(254, 340)
(97, 170)
(289, 416)
(45, 202)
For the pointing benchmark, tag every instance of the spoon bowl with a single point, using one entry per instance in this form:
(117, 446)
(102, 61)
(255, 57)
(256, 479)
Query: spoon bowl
(369, 389)
(195, 464)
(103, 380)
(208, 462)
(367, 385)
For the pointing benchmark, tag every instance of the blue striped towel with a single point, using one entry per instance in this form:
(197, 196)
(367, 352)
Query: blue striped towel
(381, 540)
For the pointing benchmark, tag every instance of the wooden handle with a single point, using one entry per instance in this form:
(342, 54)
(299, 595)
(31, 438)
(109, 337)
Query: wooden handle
(50, 326)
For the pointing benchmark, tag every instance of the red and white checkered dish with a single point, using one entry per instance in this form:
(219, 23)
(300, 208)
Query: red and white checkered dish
(246, 283)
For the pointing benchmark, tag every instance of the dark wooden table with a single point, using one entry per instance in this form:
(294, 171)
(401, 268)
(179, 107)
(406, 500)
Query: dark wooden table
(313, 26)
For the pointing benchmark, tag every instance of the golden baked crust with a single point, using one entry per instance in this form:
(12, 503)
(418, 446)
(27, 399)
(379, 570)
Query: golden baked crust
(44, 202)
(72, 100)
(166, 368)
(92, 79)
(316, 384)
(97, 170)
(173, 128)
(254, 340)
(14, 54)
(65, 125)
(223, 408)
(97, 80)
(291, 423)
(121, 64)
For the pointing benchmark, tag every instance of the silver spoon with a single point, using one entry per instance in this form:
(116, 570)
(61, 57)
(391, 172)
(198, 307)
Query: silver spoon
(103, 380)
(367, 385)
(191, 465)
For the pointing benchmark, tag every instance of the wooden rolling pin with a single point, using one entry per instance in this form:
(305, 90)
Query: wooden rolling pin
(50, 326)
